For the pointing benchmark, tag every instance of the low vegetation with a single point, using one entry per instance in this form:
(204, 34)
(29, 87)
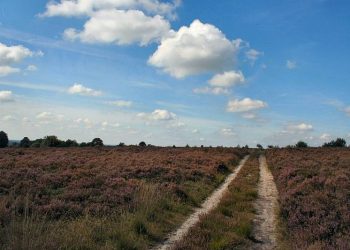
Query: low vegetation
(103, 198)
(230, 225)
(314, 188)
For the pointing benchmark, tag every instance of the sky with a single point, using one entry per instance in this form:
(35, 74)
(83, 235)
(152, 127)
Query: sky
(176, 72)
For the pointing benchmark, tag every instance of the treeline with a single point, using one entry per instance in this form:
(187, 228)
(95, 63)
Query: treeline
(48, 141)
(338, 143)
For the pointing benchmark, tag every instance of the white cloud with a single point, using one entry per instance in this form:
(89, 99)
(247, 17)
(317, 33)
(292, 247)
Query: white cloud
(106, 125)
(291, 64)
(32, 68)
(196, 49)
(120, 27)
(6, 96)
(48, 117)
(10, 55)
(13, 54)
(158, 115)
(325, 137)
(84, 121)
(227, 132)
(299, 128)
(245, 105)
(76, 8)
(7, 70)
(79, 89)
(211, 90)
(121, 103)
(227, 79)
(253, 55)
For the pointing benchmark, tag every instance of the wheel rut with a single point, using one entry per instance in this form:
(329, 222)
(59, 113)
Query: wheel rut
(209, 204)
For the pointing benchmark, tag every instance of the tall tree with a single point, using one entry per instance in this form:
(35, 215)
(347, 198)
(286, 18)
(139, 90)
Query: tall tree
(4, 140)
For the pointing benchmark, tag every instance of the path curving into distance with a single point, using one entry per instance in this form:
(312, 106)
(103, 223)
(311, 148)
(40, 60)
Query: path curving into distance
(267, 208)
(209, 204)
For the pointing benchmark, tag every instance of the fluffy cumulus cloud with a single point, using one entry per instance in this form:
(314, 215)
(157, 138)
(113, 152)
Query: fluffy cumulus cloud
(199, 48)
(79, 89)
(227, 132)
(227, 79)
(245, 105)
(118, 22)
(48, 117)
(325, 137)
(6, 96)
(121, 27)
(299, 128)
(10, 55)
(76, 8)
(7, 70)
(158, 115)
(253, 55)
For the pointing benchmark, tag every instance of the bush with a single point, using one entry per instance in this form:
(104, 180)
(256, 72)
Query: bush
(338, 143)
(25, 143)
(97, 142)
(301, 144)
(4, 140)
(142, 144)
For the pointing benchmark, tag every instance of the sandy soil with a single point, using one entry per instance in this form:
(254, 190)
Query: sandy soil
(267, 208)
(210, 203)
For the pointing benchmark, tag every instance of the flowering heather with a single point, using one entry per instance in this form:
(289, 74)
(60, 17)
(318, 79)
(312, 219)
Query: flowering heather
(76, 181)
(314, 190)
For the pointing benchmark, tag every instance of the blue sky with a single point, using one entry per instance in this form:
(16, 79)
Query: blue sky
(183, 72)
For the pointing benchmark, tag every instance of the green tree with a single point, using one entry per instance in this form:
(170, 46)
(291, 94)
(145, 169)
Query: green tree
(338, 143)
(71, 143)
(97, 142)
(142, 144)
(4, 140)
(25, 143)
(259, 146)
(50, 141)
(301, 144)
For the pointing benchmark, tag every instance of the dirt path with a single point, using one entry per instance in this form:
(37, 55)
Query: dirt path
(267, 208)
(209, 204)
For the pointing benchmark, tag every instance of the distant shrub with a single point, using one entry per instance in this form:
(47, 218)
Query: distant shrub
(142, 144)
(25, 143)
(259, 146)
(71, 143)
(122, 144)
(4, 140)
(50, 141)
(301, 144)
(97, 142)
(338, 143)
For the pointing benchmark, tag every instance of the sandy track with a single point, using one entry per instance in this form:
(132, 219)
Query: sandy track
(209, 204)
(267, 209)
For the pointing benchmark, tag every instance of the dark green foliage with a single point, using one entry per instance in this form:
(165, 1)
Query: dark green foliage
(25, 143)
(259, 146)
(301, 144)
(4, 140)
(142, 144)
(338, 143)
(96, 142)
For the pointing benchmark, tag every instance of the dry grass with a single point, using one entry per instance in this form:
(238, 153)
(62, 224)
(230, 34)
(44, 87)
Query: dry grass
(230, 225)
